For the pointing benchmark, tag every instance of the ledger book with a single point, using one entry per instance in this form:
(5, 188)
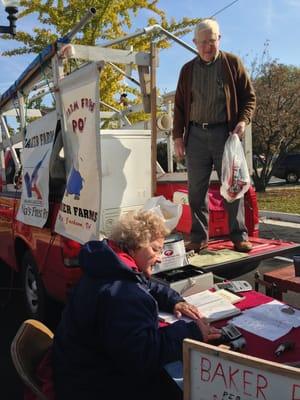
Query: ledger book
(212, 306)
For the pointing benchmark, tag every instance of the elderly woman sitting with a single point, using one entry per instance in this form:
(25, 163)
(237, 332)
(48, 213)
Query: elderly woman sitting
(109, 344)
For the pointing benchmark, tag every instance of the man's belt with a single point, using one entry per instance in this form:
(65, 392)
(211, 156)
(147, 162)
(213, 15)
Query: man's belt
(206, 125)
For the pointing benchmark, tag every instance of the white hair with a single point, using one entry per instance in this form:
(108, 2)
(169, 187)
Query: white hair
(207, 25)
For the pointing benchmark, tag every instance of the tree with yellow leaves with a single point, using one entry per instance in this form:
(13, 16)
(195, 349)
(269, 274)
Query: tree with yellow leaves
(113, 19)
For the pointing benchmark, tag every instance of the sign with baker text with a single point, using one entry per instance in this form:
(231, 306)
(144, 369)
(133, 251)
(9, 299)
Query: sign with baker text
(78, 217)
(38, 143)
(213, 373)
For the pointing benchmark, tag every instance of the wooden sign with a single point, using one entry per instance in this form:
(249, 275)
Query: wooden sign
(212, 373)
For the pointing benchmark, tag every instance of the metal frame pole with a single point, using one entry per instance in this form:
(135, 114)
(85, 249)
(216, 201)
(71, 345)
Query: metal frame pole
(153, 100)
(147, 30)
(84, 20)
(170, 150)
(143, 31)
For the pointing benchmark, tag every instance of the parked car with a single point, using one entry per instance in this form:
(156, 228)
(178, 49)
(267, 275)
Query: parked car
(289, 168)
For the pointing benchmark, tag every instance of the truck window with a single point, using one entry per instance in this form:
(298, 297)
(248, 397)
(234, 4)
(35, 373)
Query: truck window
(57, 171)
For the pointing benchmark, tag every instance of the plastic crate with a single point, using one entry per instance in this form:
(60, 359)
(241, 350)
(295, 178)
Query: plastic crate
(218, 219)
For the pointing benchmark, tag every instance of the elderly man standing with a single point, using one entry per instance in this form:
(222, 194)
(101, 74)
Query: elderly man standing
(214, 96)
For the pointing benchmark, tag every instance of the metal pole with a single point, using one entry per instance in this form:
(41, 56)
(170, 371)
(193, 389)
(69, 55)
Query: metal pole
(170, 150)
(176, 39)
(84, 20)
(11, 148)
(22, 116)
(124, 73)
(147, 30)
(117, 111)
(153, 99)
(131, 36)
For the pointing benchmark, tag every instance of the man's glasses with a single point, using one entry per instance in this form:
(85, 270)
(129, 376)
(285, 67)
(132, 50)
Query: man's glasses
(211, 42)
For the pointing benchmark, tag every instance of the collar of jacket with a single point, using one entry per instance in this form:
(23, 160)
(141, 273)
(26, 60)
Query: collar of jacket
(204, 63)
(124, 257)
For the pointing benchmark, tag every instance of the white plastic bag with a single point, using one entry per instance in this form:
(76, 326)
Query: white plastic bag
(169, 211)
(235, 180)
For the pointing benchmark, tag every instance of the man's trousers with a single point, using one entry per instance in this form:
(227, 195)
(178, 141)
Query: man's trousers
(203, 151)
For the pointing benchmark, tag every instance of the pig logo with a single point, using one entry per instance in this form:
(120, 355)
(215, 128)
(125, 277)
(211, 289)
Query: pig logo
(74, 184)
(75, 181)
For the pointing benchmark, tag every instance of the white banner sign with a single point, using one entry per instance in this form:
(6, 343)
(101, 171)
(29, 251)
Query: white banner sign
(78, 217)
(212, 373)
(34, 206)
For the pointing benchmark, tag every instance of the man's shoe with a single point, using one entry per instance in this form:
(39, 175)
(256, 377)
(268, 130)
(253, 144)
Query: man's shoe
(196, 246)
(244, 246)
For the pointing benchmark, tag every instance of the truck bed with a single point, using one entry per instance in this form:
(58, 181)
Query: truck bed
(220, 256)
(221, 259)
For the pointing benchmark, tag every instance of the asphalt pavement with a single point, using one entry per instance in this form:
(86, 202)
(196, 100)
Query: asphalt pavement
(279, 230)
(12, 311)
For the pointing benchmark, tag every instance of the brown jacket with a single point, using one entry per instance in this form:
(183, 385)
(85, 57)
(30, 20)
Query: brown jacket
(239, 92)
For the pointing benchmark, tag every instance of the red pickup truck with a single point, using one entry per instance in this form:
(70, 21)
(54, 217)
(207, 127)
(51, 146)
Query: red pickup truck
(48, 262)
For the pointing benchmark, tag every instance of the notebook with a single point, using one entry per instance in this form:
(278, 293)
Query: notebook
(210, 304)
(232, 297)
(213, 306)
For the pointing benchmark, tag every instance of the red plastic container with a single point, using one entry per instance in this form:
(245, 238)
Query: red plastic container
(218, 220)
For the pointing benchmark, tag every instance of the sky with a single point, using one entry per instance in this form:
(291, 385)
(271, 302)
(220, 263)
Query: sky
(245, 27)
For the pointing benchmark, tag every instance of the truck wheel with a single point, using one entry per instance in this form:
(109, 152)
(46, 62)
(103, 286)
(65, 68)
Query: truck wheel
(34, 291)
(291, 177)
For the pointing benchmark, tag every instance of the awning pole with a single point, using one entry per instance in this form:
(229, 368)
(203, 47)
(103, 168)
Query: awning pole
(153, 97)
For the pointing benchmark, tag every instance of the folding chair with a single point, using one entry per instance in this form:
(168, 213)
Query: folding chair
(28, 347)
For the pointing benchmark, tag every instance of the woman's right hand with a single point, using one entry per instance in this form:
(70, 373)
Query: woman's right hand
(208, 332)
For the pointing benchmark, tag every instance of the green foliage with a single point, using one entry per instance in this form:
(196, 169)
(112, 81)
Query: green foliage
(275, 128)
(113, 19)
(284, 200)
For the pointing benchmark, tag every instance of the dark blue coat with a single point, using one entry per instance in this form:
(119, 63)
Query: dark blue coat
(108, 344)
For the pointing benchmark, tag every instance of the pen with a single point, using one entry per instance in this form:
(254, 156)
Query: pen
(283, 347)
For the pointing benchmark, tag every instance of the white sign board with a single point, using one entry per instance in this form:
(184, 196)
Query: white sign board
(34, 205)
(212, 373)
(78, 217)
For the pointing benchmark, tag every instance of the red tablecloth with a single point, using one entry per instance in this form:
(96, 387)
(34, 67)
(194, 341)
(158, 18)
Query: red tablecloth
(255, 345)
(259, 347)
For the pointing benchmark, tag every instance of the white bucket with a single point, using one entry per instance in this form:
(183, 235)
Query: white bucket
(173, 255)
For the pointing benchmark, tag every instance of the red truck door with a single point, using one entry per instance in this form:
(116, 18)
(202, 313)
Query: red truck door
(7, 210)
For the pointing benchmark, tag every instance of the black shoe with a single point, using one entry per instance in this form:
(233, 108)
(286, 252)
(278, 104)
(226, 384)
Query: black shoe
(244, 246)
(196, 246)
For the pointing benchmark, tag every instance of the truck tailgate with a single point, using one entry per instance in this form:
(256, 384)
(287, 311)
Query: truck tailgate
(221, 259)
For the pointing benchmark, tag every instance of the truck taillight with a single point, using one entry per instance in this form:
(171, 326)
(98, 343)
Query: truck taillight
(70, 250)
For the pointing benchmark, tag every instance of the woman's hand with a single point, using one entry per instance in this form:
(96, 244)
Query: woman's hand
(208, 332)
(187, 309)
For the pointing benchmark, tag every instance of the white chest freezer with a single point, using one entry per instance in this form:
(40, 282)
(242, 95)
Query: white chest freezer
(125, 173)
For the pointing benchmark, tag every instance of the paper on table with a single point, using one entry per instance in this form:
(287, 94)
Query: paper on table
(212, 306)
(268, 321)
(231, 297)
